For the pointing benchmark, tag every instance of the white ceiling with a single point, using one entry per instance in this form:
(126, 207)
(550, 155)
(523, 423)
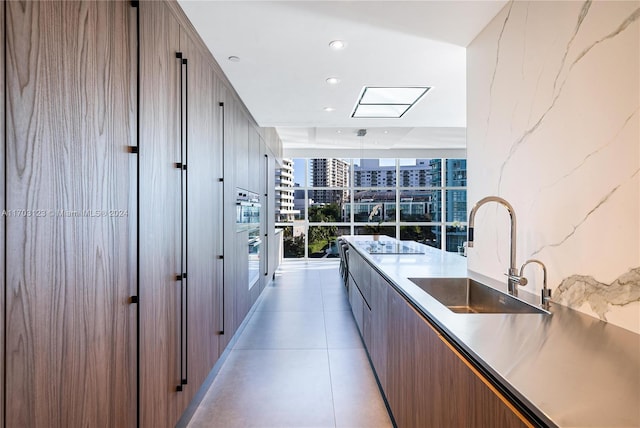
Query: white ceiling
(285, 59)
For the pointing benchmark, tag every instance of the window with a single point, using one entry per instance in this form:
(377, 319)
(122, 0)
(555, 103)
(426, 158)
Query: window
(423, 200)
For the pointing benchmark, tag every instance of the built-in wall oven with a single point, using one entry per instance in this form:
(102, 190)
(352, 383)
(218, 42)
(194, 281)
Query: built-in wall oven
(248, 209)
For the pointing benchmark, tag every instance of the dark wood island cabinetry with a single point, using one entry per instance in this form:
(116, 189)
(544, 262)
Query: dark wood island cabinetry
(425, 380)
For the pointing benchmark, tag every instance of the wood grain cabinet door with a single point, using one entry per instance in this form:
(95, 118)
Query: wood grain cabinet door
(401, 359)
(2, 225)
(70, 271)
(204, 215)
(161, 204)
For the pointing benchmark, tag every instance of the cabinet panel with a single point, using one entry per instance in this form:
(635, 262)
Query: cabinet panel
(428, 383)
(401, 362)
(241, 137)
(2, 224)
(457, 393)
(70, 332)
(203, 216)
(228, 112)
(357, 304)
(219, 219)
(379, 336)
(254, 162)
(242, 298)
(160, 225)
(366, 325)
(361, 272)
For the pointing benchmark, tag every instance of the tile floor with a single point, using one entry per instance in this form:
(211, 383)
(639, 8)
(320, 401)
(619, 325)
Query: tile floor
(299, 362)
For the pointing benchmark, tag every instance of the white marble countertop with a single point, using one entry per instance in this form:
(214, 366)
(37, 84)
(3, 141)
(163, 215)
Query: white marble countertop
(569, 369)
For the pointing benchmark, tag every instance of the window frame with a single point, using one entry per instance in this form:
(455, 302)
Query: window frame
(307, 188)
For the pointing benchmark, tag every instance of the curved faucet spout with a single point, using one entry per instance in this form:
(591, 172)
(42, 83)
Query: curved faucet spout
(546, 292)
(513, 272)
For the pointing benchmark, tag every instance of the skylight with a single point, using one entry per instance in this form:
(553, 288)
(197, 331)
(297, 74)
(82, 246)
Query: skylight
(387, 102)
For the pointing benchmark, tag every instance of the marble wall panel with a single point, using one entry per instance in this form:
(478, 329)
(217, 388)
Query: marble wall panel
(553, 117)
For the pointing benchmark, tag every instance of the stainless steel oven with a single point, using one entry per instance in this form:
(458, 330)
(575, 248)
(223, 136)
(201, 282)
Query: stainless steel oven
(248, 209)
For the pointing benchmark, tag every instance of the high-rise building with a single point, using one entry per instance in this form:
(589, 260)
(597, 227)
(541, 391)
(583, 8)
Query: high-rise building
(285, 210)
(370, 174)
(456, 199)
(456, 176)
(329, 172)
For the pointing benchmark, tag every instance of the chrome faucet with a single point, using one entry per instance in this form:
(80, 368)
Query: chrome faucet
(546, 292)
(514, 278)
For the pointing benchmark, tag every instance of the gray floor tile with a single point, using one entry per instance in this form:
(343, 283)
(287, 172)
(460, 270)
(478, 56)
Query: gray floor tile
(356, 397)
(342, 331)
(335, 299)
(284, 330)
(335, 304)
(307, 300)
(299, 362)
(275, 388)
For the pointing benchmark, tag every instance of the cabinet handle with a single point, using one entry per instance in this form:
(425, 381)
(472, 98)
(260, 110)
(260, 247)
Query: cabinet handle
(221, 299)
(184, 68)
(182, 277)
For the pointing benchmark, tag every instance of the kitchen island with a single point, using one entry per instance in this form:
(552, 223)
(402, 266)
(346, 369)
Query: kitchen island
(561, 368)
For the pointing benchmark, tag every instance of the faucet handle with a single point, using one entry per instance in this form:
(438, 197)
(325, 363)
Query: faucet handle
(546, 297)
(521, 280)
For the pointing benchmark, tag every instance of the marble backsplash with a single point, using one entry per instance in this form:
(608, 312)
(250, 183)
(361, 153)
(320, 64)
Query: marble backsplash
(553, 126)
(577, 291)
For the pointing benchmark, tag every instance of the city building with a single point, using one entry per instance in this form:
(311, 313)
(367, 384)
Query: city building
(369, 173)
(330, 172)
(284, 194)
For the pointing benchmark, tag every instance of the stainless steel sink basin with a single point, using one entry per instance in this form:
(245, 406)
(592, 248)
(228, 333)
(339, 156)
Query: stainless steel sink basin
(466, 296)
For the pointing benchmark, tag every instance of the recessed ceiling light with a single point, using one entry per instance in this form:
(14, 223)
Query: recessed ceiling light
(332, 80)
(234, 58)
(386, 132)
(337, 44)
(329, 109)
(339, 131)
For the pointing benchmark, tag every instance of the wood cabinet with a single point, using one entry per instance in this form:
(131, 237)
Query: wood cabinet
(203, 215)
(401, 360)
(360, 271)
(378, 344)
(160, 217)
(254, 162)
(426, 381)
(182, 216)
(70, 228)
(119, 127)
(449, 390)
(357, 304)
(2, 224)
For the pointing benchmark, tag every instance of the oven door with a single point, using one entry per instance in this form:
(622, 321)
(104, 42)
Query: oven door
(255, 248)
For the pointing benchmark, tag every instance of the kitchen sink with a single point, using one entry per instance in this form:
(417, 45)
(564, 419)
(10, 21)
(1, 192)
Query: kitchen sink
(467, 296)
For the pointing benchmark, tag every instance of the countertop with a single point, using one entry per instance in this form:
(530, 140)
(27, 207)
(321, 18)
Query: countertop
(569, 369)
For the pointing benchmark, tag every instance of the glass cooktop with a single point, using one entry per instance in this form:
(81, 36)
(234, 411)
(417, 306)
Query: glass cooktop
(388, 247)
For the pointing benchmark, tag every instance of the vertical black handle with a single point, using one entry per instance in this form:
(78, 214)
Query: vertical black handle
(265, 222)
(185, 220)
(182, 276)
(222, 140)
(179, 165)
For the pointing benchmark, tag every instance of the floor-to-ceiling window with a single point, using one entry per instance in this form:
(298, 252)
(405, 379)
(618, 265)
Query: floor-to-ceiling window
(422, 200)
